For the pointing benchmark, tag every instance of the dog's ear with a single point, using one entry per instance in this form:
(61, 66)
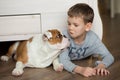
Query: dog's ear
(44, 37)
(47, 35)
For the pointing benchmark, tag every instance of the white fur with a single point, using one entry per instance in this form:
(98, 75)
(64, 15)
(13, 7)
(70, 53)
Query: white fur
(57, 66)
(18, 70)
(41, 54)
(4, 58)
(48, 34)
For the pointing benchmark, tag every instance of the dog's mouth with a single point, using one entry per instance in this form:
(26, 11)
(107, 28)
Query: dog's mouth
(64, 36)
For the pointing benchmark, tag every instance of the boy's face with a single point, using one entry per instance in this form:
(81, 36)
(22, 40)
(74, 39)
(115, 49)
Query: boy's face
(76, 27)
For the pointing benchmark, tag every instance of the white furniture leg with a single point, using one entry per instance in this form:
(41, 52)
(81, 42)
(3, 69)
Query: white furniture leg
(112, 9)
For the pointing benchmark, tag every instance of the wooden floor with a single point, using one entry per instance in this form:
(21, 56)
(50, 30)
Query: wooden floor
(111, 38)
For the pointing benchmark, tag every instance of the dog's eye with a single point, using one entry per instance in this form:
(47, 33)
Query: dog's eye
(50, 38)
(59, 36)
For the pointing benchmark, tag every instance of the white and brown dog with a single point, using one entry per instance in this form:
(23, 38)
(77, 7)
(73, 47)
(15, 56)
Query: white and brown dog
(40, 51)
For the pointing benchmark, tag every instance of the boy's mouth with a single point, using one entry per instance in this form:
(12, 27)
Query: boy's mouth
(71, 32)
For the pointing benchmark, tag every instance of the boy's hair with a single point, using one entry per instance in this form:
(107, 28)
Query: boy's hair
(82, 10)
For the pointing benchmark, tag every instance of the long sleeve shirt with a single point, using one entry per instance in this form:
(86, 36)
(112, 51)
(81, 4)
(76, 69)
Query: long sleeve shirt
(91, 45)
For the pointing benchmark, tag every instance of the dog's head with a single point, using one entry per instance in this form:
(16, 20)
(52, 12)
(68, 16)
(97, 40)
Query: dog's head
(56, 38)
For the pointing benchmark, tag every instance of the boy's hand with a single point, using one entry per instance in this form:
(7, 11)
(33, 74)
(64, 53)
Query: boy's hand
(85, 71)
(101, 70)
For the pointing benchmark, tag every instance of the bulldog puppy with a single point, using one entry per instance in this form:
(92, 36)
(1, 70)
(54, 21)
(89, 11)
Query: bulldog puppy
(39, 51)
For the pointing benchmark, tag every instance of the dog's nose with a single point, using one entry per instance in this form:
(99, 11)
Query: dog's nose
(64, 36)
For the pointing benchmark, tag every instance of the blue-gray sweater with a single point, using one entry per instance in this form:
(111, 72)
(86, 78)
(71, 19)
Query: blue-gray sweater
(91, 45)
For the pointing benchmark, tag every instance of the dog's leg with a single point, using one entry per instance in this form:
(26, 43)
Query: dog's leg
(21, 59)
(57, 65)
(11, 50)
(18, 70)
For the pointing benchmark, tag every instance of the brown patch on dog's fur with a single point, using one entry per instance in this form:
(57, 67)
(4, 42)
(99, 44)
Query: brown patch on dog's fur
(22, 52)
(10, 51)
(30, 40)
(56, 36)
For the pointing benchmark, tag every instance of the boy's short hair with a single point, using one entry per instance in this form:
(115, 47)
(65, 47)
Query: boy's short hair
(82, 10)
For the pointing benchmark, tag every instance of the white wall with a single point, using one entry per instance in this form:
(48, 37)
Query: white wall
(52, 14)
(8, 7)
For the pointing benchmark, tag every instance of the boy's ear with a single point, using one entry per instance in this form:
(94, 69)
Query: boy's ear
(88, 26)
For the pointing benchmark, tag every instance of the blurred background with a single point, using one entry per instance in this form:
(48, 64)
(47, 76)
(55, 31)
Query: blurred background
(110, 15)
(109, 6)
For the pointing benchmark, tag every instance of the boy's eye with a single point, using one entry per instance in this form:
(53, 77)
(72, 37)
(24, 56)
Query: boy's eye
(76, 25)
(69, 24)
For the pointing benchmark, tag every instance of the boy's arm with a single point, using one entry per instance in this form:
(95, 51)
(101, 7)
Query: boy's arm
(101, 70)
(85, 71)
(101, 49)
(66, 61)
(107, 58)
(71, 67)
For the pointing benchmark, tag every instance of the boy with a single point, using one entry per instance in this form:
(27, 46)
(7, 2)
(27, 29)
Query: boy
(83, 43)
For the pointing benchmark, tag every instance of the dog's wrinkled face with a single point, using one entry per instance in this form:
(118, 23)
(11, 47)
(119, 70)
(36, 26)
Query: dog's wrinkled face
(53, 36)
(56, 40)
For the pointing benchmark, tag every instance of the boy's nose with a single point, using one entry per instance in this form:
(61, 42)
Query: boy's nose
(70, 26)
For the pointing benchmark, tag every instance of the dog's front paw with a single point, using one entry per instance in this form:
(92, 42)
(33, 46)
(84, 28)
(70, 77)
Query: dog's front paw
(58, 68)
(17, 72)
(4, 58)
